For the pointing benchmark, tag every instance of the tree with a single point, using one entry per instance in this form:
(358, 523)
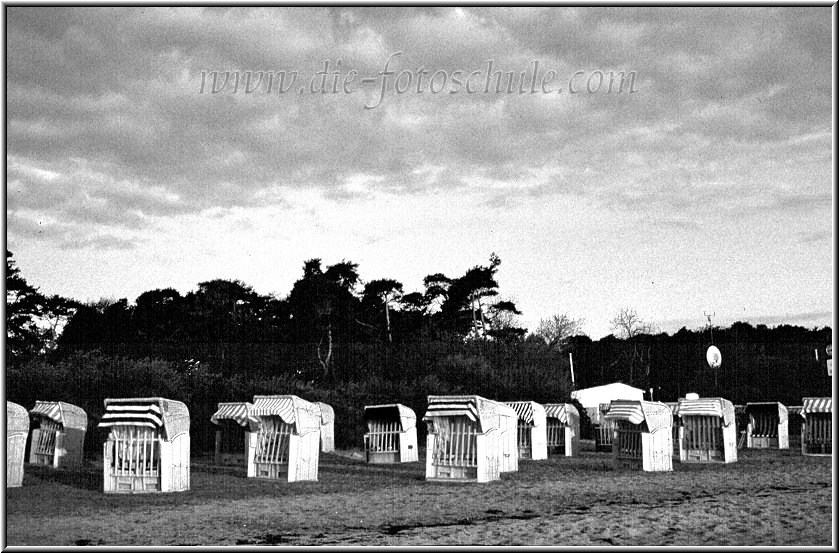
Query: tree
(34, 321)
(630, 326)
(57, 311)
(436, 293)
(227, 311)
(627, 324)
(414, 302)
(157, 313)
(384, 290)
(463, 306)
(24, 305)
(343, 274)
(323, 301)
(436, 288)
(503, 321)
(557, 330)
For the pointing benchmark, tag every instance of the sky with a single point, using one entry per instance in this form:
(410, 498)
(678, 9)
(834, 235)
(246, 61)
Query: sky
(432, 138)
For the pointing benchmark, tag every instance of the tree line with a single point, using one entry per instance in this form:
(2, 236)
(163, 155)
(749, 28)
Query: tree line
(350, 343)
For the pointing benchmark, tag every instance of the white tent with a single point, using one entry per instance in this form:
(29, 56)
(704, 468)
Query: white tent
(591, 398)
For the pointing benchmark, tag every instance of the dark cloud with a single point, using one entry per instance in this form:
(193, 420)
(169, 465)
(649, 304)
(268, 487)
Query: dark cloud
(818, 236)
(804, 202)
(67, 236)
(106, 128)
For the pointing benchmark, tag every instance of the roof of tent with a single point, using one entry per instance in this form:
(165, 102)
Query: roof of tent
(657, 415)
(238, 411)
(304, 415)
(561, 412)
(529, 411)
(706, 406)
(17, 419)
(593, 397)
(327, 414)
(764, 405)
(70, 416)
(392, 411)
(816, 405)
(486, 412)
(154, 412)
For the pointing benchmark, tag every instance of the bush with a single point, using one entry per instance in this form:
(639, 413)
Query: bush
(367, 374)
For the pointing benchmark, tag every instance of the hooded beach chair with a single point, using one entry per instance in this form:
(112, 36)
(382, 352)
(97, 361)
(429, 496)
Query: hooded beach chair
(531, 429)
(147, 448)
(707, 430)
(288, 441)
(563, 429)
(391, 434)
(327, 428)
(58, 431)
(817, 426)
(643, 438)
(236, 433)
(17, 429)
(768, 425)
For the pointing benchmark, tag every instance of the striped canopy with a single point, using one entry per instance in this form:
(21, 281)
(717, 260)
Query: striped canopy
(137, 413)
(327, 414)
(485, 412)
(452, 406)
(17, 419)
(240, 412)
(158, 413)
(706, 406)
(391, 412)
(561, 412)
(529, 412)
(656, 415)
(816, 405)
(304, 415)
(69, 416)
(764, 406)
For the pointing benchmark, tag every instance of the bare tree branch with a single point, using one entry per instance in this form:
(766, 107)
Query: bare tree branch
(556, 330)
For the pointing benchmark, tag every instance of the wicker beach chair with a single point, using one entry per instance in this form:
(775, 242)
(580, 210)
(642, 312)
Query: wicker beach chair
(563, 429)
(147, 449)
(58, 431)
(643, 438)
(391, 434)
(707, 430)
(288, 441)
(17, 429)
(531, 429)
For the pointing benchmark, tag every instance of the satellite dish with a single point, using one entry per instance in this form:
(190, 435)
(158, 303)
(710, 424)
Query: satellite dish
(692, 396)
(829, 350)
(714, 357)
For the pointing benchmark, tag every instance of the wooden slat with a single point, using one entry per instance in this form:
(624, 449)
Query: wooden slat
(629, 441)
(817, 434)
(469, 446)
(455, 443)
(138, 440)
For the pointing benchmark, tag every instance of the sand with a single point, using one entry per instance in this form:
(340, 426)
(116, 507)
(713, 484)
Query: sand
(765, 498)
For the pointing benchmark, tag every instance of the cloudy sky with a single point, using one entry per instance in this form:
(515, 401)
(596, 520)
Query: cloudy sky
(708, 187)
